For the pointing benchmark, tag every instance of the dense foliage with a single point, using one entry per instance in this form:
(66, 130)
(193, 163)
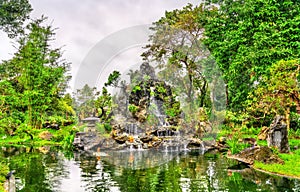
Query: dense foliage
(247, 37)
(13, 13)
(34, 80)
(278, 93)
(181, 57)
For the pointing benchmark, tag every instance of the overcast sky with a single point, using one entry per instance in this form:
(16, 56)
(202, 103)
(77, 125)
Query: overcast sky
(83, 24)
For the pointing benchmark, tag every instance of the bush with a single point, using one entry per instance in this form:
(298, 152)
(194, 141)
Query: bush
(236, 146)
(294, 121)
(132, 108)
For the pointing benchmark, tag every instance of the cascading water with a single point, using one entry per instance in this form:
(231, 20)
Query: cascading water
(132, 129)
(157, 111)
(131, 148)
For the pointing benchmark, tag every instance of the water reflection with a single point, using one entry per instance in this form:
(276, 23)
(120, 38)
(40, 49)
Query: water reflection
(51, 170)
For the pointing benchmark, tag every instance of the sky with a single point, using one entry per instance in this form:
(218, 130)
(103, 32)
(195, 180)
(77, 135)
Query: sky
(98, 36)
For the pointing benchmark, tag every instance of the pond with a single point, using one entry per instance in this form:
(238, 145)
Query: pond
(46, 169)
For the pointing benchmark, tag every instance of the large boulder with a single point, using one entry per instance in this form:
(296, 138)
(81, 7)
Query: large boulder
(278, 135)
(261, 154)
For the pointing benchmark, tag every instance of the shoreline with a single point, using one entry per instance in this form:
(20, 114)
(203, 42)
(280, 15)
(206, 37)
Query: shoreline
(276, 174)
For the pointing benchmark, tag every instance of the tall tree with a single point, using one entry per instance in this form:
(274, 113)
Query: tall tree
(37, 72)
(247, 37)
(177, 48)
(85, 101)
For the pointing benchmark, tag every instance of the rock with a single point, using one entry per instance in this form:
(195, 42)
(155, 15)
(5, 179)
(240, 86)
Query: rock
(45, 135)
(153, 91)
(141, 115)
(146, 139)
(278, 135)
(248, 140)
(147, 69)
(209, 144)
(263, 133)
(91, 141)
(155, 144)
(155, 138)
(261, 154)
(44, 149)
(222, 140)
(121, 138)
(145, 146)
(194, 142)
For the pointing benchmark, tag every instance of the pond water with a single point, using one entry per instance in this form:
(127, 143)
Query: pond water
(47, 169)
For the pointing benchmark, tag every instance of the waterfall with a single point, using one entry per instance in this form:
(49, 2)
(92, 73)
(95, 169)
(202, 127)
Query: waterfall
(157, 111)
(202, 148)
(166, 148)
(131, 129)
(131, 148)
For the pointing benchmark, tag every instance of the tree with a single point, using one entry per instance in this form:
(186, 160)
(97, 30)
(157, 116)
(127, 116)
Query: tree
(104, 104)
(85, 101)
(113, 79)
(37, 73)
(13, 13)
(278, 93)
(247, 36)
(176, 46)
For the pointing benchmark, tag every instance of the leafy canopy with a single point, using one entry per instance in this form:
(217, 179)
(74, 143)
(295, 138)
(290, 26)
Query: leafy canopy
(247, 36)
(13, 13)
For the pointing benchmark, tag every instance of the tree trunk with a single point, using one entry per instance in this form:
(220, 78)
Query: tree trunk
(287, 118)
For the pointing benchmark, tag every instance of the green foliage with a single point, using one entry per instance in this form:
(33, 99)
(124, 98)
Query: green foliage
(67, 142)
(161, 89)
(33, 81)
(103, 128)
(85, 101)
(294, 144)
(235, 146)
(278, 93)
(13, 14)
(104, 103)
(295, 122)
(289, 167)
(176, 46)
(136, 88)
(113, 79)
(232, 119)
(132, 108)
(174, 110)
(3, 172)
(247, 37)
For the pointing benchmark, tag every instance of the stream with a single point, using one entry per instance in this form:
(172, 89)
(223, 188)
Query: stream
(50, 169)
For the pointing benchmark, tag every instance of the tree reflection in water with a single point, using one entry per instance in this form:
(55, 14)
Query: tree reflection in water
(50, 170)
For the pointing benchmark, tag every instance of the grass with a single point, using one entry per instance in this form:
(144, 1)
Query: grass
(290, 168)
(3, 171)
(291, 165)
(236, 146)
(59, 138)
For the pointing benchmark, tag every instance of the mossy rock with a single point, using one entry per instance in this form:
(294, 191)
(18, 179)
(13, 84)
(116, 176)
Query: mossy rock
(261, 154)
(45, 135)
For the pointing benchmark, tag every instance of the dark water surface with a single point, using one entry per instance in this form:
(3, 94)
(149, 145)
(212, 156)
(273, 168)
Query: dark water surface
(47, 169)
